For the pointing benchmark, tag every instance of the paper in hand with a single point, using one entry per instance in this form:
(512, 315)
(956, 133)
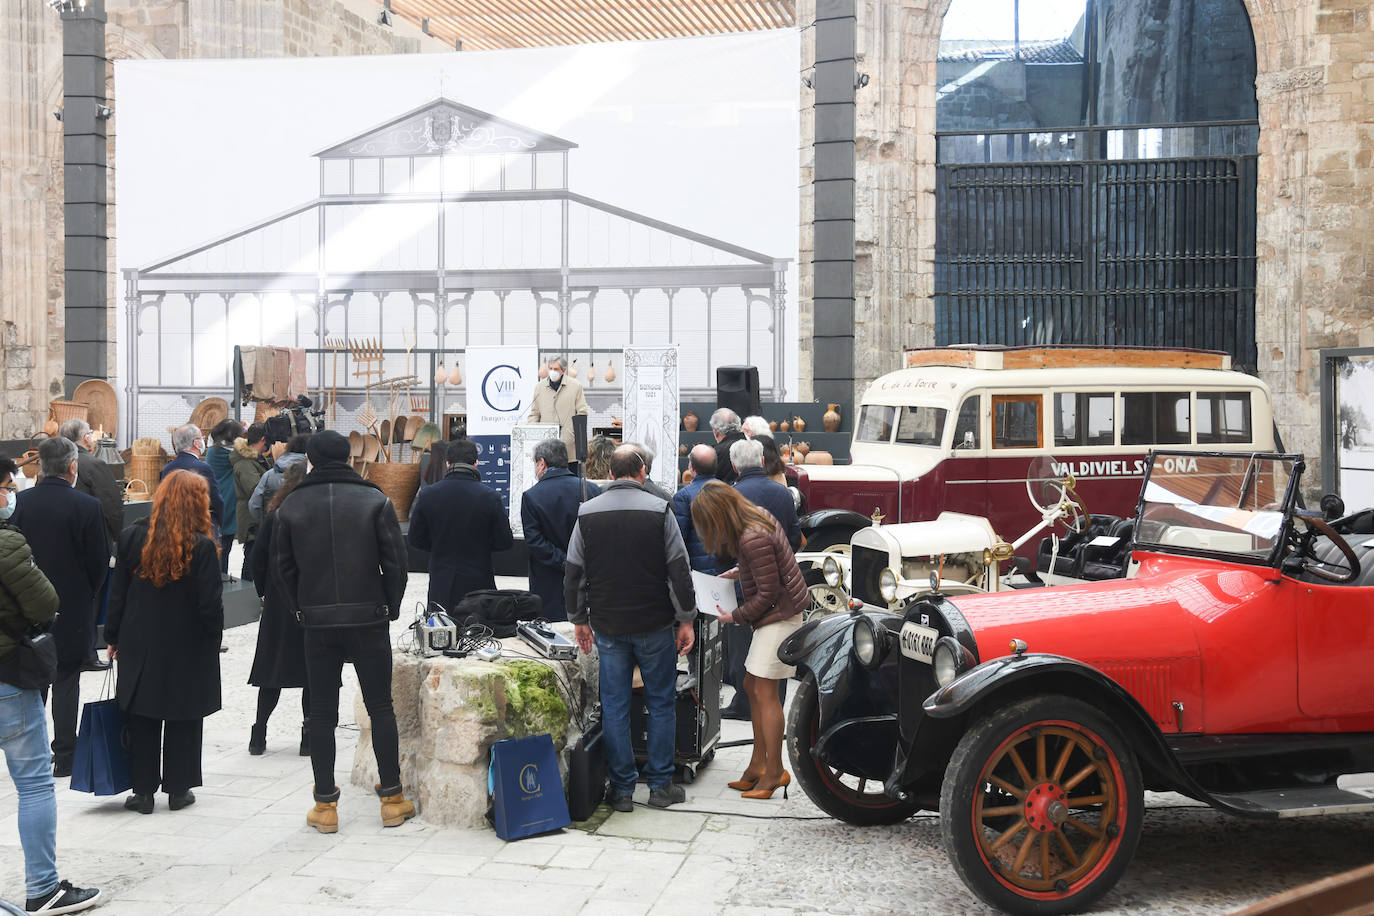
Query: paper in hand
(714, 594)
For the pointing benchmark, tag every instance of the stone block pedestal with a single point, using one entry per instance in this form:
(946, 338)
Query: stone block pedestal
(450, 711)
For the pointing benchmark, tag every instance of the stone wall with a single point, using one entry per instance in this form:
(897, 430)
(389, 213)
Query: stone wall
(1316, 175)
(31, 226)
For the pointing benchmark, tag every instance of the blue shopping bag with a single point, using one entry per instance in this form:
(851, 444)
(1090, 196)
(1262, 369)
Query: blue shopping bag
(101, 763)
(526, 788)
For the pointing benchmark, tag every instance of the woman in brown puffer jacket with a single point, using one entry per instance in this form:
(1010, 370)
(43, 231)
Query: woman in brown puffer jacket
(775, 594)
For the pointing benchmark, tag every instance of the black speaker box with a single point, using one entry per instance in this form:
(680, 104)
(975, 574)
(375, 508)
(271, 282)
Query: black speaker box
(586, 773)
(737, 387)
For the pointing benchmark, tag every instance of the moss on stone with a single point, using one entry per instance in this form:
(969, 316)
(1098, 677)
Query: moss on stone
(533, 704)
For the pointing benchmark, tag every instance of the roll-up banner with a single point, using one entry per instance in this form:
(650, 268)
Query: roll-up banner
(501, 383)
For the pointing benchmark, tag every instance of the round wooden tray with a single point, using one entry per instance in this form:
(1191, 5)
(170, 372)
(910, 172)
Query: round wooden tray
(209, 413)
(104, 403)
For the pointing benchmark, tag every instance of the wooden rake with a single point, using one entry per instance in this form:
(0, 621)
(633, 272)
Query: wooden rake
(369, 354)
(334, 345)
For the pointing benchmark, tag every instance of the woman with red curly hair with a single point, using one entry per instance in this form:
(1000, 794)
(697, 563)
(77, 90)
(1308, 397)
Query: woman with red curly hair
(164, 626)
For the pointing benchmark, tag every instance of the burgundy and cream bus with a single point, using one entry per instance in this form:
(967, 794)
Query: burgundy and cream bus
(961, 428)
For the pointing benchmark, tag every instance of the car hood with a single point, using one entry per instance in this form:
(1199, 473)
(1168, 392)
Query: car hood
(1162, 614)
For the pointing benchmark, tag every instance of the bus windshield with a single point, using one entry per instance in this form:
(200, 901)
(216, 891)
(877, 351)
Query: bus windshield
(912, 424)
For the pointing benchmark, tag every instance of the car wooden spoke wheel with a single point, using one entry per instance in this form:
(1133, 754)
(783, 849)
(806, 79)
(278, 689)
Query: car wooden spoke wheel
(1041, 806)
(853, 799)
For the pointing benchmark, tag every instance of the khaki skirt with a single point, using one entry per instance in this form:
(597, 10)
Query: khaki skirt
(762, 660)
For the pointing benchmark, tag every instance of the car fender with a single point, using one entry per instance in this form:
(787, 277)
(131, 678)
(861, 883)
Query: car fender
(1021, 674)
(839, 518)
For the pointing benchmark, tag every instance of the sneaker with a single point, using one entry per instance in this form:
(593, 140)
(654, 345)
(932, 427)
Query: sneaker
(667, 795)
(622, 802)
(64, 899)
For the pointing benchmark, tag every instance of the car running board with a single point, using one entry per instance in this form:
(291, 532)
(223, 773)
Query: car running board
(1301, 801)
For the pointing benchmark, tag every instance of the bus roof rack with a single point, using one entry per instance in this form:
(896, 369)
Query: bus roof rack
(979, 356)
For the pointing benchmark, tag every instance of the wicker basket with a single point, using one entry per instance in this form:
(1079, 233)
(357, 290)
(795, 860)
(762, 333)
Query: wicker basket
(148, 445)
(400, 481)
(147, 468)
(137, 491)
(62, 411)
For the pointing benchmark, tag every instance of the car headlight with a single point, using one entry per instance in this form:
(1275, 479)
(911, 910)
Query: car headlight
(830, 569)
(945, 664)
(887, 585)
(865, 645)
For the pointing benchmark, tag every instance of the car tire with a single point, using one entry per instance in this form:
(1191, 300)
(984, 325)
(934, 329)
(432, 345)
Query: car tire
(1023, 766)
(863, 805)
(829, 536)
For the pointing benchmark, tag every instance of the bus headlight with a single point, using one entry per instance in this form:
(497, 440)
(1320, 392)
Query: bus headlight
(887, 585)
(830, 569)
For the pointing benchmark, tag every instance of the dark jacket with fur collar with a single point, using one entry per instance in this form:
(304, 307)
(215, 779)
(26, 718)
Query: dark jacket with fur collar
(338, 550)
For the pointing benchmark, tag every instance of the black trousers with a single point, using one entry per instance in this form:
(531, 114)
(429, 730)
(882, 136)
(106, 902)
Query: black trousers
(247, 574)
(226, 544)
(173, 743)
(66, 701)
(369, 650)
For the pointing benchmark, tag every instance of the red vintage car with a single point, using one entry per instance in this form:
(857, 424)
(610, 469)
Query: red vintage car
(1233, 665)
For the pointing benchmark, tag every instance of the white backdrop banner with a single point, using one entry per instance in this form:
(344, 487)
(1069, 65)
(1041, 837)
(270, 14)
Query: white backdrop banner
(651, 407)
(500, 383)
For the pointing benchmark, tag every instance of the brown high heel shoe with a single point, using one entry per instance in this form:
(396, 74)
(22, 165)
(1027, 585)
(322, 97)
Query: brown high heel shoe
(744, 783)
(768, 793)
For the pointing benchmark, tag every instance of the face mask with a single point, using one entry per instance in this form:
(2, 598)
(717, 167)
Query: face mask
(554, 376)
(8, 508)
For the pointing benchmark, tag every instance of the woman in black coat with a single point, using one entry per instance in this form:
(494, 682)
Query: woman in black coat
(280, 657)
(164, 627)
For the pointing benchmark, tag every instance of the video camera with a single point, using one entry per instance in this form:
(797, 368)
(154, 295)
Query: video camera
(292, 421)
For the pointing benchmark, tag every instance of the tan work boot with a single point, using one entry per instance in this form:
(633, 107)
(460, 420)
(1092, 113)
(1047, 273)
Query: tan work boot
(395, 809)
(324, 817)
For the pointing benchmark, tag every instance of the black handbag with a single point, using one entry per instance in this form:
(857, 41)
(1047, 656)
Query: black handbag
(499, 609)
(32, 663)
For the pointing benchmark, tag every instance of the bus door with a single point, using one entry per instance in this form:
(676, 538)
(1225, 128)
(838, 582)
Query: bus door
(965, 473)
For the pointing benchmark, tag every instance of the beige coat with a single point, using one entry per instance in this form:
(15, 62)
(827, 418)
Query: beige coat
(559, 407)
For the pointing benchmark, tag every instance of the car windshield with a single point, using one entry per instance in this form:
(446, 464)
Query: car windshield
(1233, 504)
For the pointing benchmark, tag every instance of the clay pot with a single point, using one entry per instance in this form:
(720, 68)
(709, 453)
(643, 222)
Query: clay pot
(456, 376)
(773, 425)
(784, 427)
(690, 421)
(572, 370)
(786, 452)
(798, 425)
(50, 428)
(682, 449)
(831, 419)
(688, 476)
(440, 375)
(819, 457)
(801, 448)
(610, 371)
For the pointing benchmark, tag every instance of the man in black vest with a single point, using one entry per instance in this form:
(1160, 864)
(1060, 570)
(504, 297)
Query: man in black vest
(548, 512)
(628, 588)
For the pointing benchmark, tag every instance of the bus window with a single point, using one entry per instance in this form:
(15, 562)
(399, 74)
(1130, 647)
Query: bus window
(1016, 421)
(1156, 418)
(967, 423)
(875, 423)
(1084, 419)
(1223, 416)
(921, 425)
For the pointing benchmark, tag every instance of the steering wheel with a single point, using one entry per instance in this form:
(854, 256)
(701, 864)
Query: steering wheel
(1060, 493)
(1322, 570)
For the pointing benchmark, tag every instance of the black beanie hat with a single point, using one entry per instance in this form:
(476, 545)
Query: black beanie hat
(326, 446)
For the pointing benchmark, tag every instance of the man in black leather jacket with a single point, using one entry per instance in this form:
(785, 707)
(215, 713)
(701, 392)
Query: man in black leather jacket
(341, 559)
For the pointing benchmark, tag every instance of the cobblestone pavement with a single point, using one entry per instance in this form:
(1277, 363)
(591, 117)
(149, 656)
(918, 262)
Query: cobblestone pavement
(244, 847)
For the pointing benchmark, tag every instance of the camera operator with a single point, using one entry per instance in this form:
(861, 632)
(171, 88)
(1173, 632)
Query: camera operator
(267, 486)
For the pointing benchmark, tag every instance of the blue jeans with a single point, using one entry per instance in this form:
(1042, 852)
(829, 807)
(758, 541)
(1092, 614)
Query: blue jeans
(656, 655)
(24, 739)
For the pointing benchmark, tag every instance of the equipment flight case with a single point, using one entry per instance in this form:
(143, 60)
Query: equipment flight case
(698, 704)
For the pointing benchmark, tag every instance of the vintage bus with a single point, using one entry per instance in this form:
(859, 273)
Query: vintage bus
(962, 428)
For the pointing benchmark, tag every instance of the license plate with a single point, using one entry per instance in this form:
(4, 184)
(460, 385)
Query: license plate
(918, 642)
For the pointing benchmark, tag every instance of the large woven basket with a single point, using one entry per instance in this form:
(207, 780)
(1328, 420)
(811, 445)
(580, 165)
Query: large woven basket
(148, 445)
(400, 481)
(62, 411)
(147, 468)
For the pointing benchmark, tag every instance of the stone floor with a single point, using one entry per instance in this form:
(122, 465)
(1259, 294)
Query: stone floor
(244, 848)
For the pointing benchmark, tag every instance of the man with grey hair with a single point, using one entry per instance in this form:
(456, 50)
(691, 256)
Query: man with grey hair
(66, 531)
(647, 455)
(726, 427)
(558, 400)
(189, 444)
(94, 477)
(548, 511)
(756, 426)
